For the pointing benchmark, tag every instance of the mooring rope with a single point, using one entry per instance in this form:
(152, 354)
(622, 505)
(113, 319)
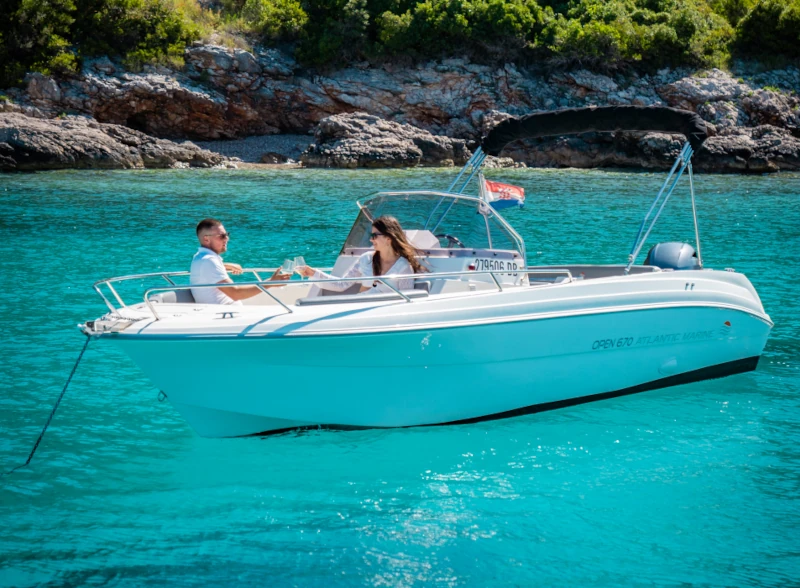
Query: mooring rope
(52, 412)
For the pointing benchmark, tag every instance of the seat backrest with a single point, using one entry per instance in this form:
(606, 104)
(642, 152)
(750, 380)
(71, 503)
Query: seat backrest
(422, 285)
(422, 239)
(184, 297)
(354, 289)
(173, 297)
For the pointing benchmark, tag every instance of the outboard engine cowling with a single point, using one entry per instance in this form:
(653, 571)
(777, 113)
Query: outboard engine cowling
(676, 256)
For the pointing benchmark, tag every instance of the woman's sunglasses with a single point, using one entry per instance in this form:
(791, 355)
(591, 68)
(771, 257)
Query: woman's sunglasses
(374, 236)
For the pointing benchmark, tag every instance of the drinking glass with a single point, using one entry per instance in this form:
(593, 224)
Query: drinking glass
(287, 267)
(299, 261)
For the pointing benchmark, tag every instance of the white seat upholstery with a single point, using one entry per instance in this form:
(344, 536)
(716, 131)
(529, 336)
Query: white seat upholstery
(422, 239)
(173, 297)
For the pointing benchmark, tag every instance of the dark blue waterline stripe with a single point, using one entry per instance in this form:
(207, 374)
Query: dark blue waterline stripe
(721, 370)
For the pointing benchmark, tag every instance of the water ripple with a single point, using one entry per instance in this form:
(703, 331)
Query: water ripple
(696, 484)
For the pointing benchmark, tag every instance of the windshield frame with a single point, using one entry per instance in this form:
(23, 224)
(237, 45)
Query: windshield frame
(446, 201)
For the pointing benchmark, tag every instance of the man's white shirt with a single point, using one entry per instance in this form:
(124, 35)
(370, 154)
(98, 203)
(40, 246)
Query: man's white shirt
(207, 268)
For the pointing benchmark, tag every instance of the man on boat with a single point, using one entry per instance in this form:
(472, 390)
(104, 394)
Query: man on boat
(208, 268)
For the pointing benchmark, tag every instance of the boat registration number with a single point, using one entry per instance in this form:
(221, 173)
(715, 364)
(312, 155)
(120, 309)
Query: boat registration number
(495, 265)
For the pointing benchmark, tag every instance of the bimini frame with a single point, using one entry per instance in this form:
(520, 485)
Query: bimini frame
(683, 162)
(605, 119)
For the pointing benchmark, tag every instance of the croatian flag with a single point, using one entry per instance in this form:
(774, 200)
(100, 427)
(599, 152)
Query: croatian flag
(502, 195)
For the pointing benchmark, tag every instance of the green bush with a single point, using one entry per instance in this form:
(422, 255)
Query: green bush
(33, 35)
(63, 63)
(503, 29)
(338, 31)
(53, 36)
(706, 35)
(275, 19)
(771, 28)
(595, 41)
(141, 31)
(652, 33)
(394, 30)
(732, 10)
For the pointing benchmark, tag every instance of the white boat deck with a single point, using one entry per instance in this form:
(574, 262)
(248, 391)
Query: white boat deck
(463, 302)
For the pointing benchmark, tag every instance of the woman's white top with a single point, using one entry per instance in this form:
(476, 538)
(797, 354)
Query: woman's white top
(363, 269)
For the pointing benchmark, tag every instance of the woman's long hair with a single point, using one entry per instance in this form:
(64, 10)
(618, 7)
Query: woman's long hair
(389, 226)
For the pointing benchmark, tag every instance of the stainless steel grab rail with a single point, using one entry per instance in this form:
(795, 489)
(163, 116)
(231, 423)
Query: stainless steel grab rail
(259, 285)
(167, 277)
(493, 274)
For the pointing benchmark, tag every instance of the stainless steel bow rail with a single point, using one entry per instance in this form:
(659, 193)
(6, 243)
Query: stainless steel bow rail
(167, 276)
(262, 284)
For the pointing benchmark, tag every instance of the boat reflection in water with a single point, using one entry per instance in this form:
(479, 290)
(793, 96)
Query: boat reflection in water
(481, 336)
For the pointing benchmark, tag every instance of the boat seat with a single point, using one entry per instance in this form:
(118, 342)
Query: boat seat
(354, 289)
(345, 298)
(173, 297)
(422, 239)
(422, 285)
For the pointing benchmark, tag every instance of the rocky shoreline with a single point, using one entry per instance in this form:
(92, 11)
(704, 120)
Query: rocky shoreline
(72, 142)
(389, 116)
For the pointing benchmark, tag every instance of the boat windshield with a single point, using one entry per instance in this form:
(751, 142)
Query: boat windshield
(455, 220)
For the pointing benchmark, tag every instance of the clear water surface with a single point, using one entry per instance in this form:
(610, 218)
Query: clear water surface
(692, 485)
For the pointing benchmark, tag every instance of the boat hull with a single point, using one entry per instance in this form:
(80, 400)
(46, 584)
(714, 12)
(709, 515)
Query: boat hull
(234, 386)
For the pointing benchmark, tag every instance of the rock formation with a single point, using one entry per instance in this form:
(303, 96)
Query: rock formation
(364, 140)
(75, 142)
(749, 150)
(760, 149)
(230, 93)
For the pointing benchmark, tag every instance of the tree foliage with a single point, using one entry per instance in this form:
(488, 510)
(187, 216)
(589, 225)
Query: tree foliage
(601, 33)
(52, 36)
(654, 33)
(275, 20)
(35, 35)
(494, 29)
(771, 28)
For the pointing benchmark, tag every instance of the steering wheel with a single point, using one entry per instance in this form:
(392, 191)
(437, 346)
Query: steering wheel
(451, 240)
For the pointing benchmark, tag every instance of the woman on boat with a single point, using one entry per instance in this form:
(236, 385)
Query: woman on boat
(392, 255)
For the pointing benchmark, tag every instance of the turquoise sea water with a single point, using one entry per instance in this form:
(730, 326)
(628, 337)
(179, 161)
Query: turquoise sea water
(691, 485)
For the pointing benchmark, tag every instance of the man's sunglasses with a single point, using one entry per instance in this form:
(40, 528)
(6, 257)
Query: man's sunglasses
(223, 235)
(374, 236)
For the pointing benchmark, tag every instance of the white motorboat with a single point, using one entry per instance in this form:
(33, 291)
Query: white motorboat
(481, 336)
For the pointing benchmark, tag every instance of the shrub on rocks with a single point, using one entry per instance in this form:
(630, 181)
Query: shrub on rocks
(275, 20)
(435, 27)
(36, 36)
(52, 37)
(771, 28)
(655, 34)
(337, 31)
(733, 10)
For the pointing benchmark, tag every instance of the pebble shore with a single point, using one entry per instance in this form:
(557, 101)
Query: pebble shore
(250, 149)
